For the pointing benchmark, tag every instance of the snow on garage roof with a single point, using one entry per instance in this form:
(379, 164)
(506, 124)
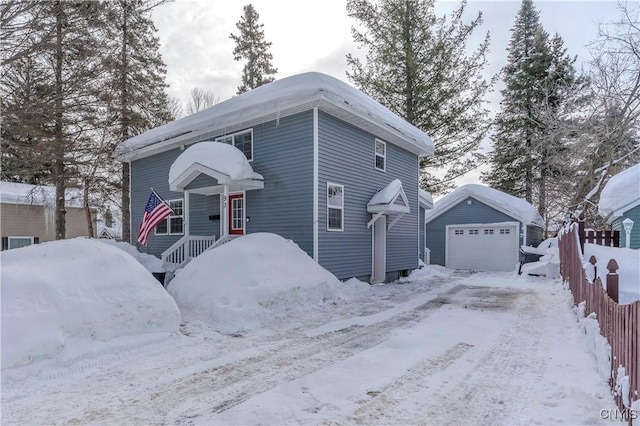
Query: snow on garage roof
(278, 99)
(621, 193)
(508, 204)
(220, 160)
(40, 195)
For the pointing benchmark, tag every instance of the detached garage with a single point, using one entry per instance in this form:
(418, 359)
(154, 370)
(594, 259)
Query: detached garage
(479, 228)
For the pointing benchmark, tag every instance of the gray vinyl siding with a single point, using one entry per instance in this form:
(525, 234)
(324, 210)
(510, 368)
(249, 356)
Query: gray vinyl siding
(346, 157)
(534, 235)
(283, 155)
(200, 208)
(146, 173)
(633, 214)
(461, 213)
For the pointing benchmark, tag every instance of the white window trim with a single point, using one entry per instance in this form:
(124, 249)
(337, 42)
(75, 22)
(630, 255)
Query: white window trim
(9, 238)
(172, 216)
(329, 184)
(233, 139)
(376, 155)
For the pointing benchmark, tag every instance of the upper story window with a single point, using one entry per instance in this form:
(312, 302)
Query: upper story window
(381, 155)
(335, 207)
(241, 140)
(173, 225)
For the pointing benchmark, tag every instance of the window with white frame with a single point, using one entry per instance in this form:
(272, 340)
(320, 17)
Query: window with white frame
(473, 232)
(505, 231)
(488, 232)
(335, 207)
(381, 155)
(459, 231)
(241, 140)
(173, 224)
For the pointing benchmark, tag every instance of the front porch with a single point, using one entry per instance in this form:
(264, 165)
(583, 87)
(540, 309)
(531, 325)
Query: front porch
(211, 169)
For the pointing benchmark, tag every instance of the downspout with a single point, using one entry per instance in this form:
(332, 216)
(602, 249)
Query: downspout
(315, 183)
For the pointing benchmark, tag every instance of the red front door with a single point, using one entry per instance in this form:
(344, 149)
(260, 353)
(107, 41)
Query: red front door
(236, 214)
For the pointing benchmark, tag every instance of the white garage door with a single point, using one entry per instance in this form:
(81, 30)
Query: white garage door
(486, 247)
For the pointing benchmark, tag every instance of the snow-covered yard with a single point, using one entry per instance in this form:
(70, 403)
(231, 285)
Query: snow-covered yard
(441, 347)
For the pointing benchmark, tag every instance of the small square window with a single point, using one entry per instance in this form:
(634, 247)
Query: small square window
(381, 155)
(241, 140)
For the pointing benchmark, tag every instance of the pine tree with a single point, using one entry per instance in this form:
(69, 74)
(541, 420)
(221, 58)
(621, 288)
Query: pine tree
(135, 87)
(252, 47)
(539, 77)
(419, 67)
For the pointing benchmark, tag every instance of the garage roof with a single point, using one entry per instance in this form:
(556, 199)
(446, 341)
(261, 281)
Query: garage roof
(505, 203)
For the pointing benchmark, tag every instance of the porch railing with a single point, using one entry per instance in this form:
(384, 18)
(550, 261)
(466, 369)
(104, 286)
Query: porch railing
(225, 239)
(186, 248)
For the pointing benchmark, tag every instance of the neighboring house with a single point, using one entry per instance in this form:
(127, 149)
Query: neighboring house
(27, 214)
(302, 157)
(425, 202)
(620, 200)
(105, 232)
(480, 228)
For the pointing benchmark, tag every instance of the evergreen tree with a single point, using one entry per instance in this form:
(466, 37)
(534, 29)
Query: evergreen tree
(418, 66)
(252, 47)
(539, 77)
(135, 86)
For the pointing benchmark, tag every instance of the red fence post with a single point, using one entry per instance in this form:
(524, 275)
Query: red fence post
(612, 280)
(581, 232)
(593, 261)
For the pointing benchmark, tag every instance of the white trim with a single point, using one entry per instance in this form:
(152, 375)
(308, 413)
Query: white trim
(167, 220)
(9, 237)
(335, 207)
(376, 155)
(315, 188)
(374, 218)
(130, 209)
(244, 211)
(233, 140)
(185, 213)
(475, 225)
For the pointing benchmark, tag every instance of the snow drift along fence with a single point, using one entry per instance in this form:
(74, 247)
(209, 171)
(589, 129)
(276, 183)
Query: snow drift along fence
(619, 324)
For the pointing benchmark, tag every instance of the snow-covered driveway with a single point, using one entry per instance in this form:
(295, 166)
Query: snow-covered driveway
(461, 349)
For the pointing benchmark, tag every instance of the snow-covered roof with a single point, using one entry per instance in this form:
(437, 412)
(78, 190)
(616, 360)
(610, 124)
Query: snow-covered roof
(390, 199)
(221, 161)
(425, 199)
(41, 195)
(278, 99)
(621, 193)
(508, 204)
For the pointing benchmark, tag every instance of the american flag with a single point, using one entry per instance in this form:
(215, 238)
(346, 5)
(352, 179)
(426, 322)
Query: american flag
(156, 211)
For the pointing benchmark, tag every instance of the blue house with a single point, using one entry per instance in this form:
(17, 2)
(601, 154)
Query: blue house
(620, 202)
(480, 228)
(307, 157)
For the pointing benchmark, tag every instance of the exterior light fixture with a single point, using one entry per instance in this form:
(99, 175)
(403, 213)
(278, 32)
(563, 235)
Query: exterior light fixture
(628, 226)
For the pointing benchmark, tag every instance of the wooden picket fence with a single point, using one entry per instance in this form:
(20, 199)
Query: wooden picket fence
(619, 324)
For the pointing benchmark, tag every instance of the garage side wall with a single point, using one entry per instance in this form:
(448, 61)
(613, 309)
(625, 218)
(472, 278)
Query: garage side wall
(461, 213)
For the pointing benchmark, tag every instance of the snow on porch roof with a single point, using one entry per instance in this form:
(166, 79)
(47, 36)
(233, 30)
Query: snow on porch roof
(280, 98)
(222, 161)
(621, 193)
(508, 204)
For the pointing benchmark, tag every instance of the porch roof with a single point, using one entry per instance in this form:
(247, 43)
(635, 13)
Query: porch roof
(225, 164)
(391, 200)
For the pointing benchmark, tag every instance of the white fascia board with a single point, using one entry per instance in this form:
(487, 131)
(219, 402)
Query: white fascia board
(388, 209)
(622, 210)
(481, 225)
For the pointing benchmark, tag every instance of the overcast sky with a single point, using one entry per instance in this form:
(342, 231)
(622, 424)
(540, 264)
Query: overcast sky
(314, 35)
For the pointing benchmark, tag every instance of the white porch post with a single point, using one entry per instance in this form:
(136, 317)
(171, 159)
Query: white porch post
(185, 213)
(223, 213)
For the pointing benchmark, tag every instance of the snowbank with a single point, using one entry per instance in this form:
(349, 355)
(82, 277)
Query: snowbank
(628, 275)
(71, 295)
(150, 262)
(549, 264)
(250, 279)
(621, 191)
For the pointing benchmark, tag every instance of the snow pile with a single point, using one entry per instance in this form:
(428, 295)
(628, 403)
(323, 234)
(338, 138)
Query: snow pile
(216, 156)
(150, 262)
(595, 342)
(426, 272)
(549, 264)
(628, 261)
(515, 207)
(251, 279)
(622, 191)
(65, 298)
